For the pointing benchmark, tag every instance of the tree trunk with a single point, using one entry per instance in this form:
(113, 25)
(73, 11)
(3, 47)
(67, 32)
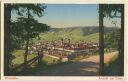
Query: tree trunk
(39, 58)
(121, 54)
(40, 55)
(101, 40)
(26, 54)
(7, 17)
(27, 43)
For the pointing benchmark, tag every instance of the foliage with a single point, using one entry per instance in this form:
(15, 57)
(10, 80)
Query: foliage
(21, 9)
(23, 30)
(112, 40)
(112, 68)
(112, 10)
(24, 26)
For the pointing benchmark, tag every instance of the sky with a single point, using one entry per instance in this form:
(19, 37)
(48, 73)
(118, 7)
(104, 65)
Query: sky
(71, 15)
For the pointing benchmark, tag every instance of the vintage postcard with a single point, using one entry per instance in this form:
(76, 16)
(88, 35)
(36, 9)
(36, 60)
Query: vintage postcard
(0, 40)
(64, 40)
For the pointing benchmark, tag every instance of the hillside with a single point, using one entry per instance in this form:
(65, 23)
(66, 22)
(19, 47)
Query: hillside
(75, 33)
(86, 30)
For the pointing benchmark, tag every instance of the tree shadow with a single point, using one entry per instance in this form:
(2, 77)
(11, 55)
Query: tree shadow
(87, 68)
(73, 69)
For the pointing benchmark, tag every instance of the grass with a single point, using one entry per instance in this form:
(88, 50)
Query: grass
(79, 58)
(74, 34)
(19, 57)
(49, 61)
(46, 63)
(83, 56)
(112, 68)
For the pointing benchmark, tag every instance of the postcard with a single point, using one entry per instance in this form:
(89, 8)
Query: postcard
(64, 40)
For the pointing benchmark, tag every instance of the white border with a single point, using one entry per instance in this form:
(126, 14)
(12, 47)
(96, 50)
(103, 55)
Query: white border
(63, 78)
(2, 39)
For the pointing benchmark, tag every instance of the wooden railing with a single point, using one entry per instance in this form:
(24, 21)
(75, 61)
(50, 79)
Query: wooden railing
(29, 62)
(58, 56)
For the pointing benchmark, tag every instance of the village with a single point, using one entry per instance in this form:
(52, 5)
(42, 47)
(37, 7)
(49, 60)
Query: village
(63, 49)
(85, 41)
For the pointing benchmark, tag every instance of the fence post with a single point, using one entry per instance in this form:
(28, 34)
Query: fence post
(39, 57)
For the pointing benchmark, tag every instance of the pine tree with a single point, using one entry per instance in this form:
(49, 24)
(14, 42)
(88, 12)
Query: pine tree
(20, 9)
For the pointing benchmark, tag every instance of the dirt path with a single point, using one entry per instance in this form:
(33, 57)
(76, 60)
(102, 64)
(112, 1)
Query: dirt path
(84, 67)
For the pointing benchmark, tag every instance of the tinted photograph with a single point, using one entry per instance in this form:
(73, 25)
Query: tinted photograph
(63, 39)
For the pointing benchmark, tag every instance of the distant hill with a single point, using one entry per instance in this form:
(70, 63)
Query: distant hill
(86, 30)
(75, 33)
